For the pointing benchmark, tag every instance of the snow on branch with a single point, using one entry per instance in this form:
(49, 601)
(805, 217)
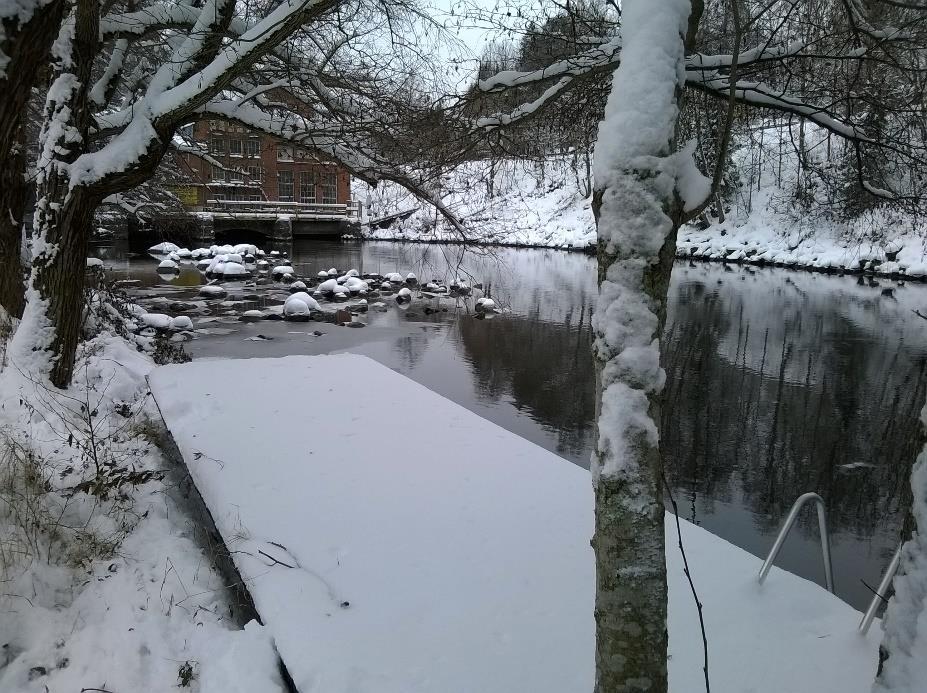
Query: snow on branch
(601, 56)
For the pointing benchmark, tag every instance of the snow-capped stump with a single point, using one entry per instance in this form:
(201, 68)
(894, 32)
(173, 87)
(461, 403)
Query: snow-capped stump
(280, 271)
(394, 278)
(404, 295)
(297, 286)
(251, 316)
(168, 266)
(181, 322)
(157, 321)
(411, 279)
(485, 305)
(213, 291)
(163, 248)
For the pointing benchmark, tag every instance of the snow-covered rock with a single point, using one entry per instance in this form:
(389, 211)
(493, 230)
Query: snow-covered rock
(94, 262)
(486, 305)
(404, 295)
(330, 286)
(394, 277)
(158, 321)
(281, 270)
(163, 248)
(213, 291)
(234, 269)
(181, 322)
(168, 266)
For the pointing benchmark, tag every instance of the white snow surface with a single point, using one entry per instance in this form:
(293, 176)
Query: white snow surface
(461, 550)
(71, 621)
(544, 205)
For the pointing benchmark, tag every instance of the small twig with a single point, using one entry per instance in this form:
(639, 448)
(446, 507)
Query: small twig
(285, 565)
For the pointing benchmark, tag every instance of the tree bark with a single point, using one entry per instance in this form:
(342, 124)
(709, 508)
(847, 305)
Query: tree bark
(52, 318)
(27, 48)
(638, 211)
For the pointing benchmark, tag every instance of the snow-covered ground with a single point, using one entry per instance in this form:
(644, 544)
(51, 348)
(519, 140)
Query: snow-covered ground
(396, 542)
(108, 588)
(534, 204)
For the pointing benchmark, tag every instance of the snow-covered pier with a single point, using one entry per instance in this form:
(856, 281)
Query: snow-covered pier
(393, 541)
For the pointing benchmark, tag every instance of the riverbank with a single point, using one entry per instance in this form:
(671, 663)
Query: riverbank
(106, 581)
(534, 205)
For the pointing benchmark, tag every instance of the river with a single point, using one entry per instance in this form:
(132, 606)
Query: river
(779, 382)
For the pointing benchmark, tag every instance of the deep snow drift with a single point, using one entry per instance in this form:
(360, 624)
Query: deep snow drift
(395, 542)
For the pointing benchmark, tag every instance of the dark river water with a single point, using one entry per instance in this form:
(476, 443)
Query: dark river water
(778, 382)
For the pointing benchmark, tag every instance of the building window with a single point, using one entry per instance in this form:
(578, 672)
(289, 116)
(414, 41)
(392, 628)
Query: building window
(218, 173)
(256, 174)
(217, 145)
(235, 147)
(253, 147)
(237, 175)
(307, 181)
(329, 189)
(285, 186)
(284, 153)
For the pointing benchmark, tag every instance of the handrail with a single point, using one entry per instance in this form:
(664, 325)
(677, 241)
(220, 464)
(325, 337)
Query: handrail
(786, 528)
(878, 597)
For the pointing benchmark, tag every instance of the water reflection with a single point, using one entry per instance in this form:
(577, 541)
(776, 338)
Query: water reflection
(778, 383)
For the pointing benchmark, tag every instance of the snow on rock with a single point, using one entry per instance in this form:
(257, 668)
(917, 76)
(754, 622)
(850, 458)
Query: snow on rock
(404, 295)
(310, 302)
(212, 291)
(355, 285)
(329, 286)
(168, 266)
(323, 274)
(381, 600)
(163, 248)
(158, 321)
(181, 322)
(94, 262)
(281, 270)
(234, 269)
(485, 304)
(394, 277)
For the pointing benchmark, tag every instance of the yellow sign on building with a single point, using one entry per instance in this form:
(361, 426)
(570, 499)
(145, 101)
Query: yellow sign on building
(188, 194)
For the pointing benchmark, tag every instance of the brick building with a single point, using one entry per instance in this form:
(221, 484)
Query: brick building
(257, 167)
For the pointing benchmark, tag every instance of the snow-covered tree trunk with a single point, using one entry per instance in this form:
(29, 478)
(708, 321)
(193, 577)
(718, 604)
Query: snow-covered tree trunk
(903, 654)
(640, 182)
(47, 337)
(25, 39)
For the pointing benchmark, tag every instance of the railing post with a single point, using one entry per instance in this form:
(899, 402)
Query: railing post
(787, 527)
(879, 596)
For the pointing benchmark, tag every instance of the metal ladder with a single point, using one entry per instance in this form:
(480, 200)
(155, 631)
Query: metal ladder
(803, 499)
